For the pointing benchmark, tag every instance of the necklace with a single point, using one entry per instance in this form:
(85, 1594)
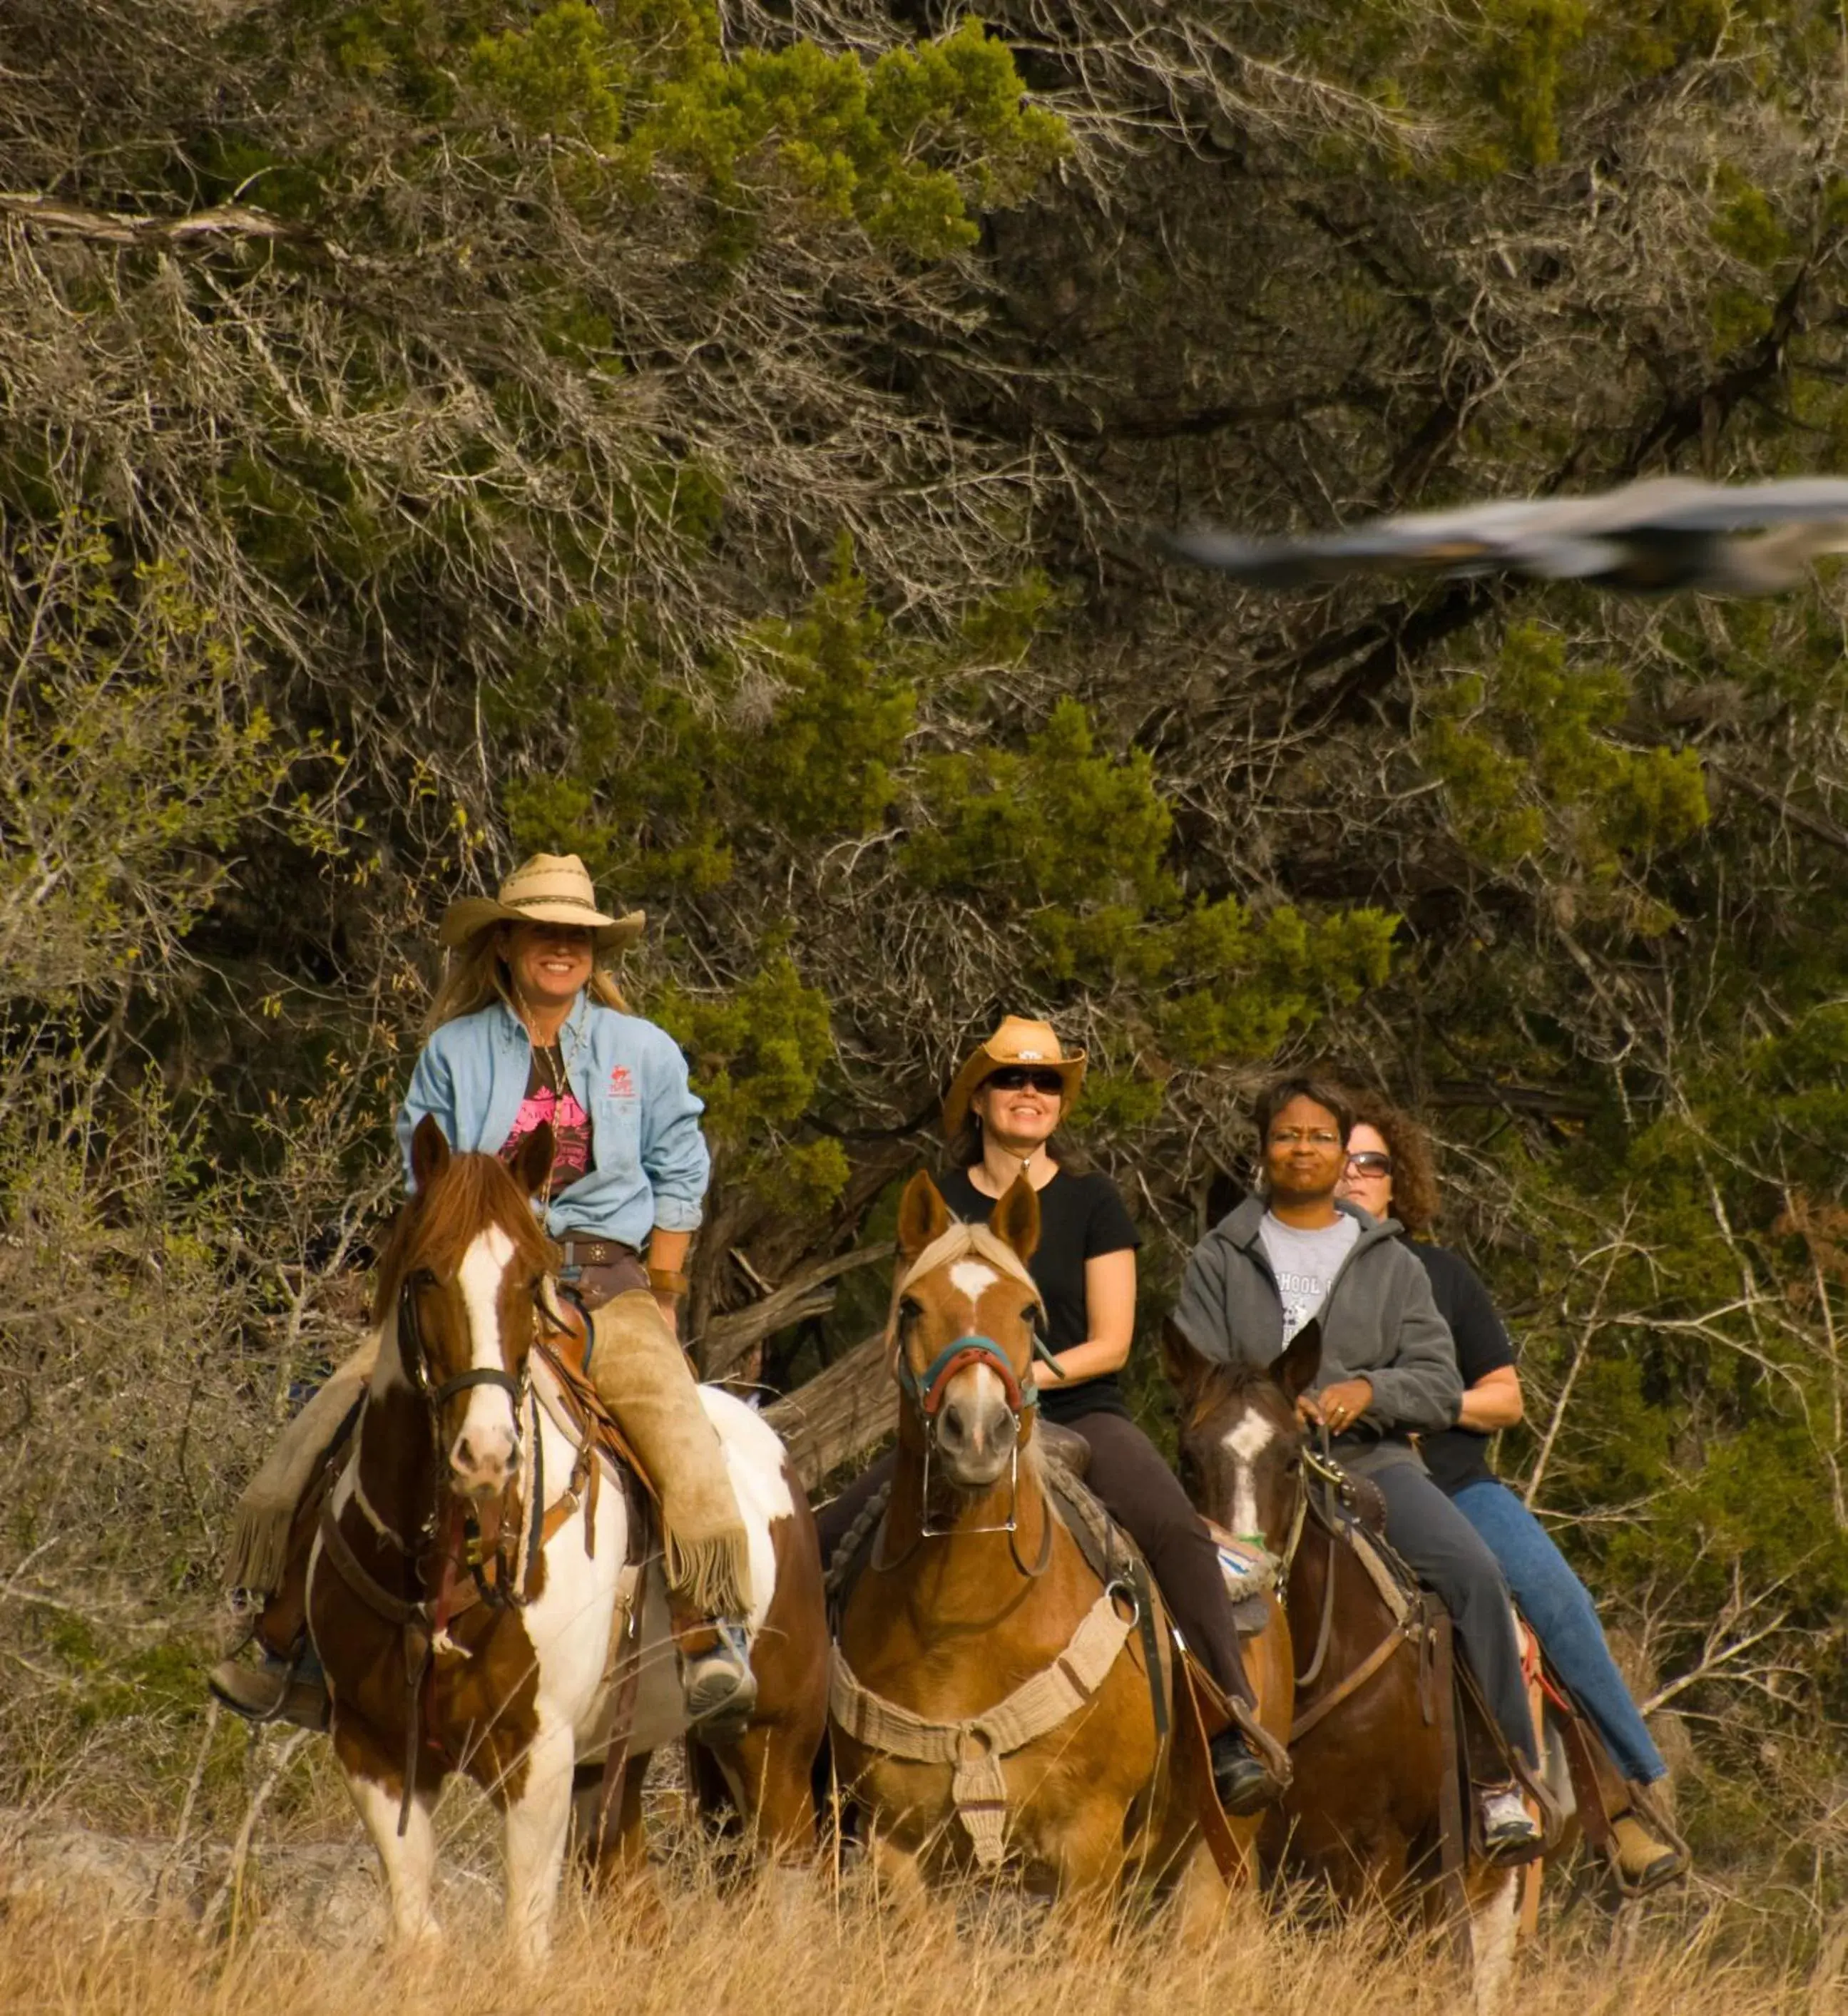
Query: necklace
(549, 1058)
(1026, 1169)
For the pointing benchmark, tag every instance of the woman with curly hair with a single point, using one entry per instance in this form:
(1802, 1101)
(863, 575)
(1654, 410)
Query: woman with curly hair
(1391, 1174)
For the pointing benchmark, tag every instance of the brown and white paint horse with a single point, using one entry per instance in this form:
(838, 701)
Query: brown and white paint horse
(1362, 1814)
(515, 1692)
(975, 1586)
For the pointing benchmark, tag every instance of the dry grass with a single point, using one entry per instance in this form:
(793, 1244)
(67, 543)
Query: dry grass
(694, 1942)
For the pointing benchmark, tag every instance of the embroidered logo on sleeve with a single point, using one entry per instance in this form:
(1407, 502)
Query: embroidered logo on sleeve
(621, 1084)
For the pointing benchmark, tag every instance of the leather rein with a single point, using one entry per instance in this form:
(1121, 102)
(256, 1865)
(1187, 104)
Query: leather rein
(1320, 1468)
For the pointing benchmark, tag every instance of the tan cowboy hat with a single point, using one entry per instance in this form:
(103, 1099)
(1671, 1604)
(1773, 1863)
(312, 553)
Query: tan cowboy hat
(550, 889)
(1017, 1041)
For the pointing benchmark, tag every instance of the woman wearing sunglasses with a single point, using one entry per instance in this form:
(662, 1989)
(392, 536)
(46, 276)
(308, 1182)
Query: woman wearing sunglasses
(1002, 1114)
(1391, 1174)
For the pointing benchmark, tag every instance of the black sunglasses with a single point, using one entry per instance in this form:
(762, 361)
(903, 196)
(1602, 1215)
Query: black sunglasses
(1370, 1162)
(1017, 1077)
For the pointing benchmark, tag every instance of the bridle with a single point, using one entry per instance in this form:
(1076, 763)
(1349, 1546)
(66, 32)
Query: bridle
(925, 1391)
(508, 1589)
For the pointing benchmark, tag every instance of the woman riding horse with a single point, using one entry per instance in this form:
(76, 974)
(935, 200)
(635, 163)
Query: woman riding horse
(529, 1029)
(1001, 1114)
(1390, 1173)
(1387, 1369)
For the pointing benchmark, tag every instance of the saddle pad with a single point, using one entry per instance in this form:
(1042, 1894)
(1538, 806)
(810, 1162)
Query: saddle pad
(1249, 1568)
(1397, 1587)
(1251, 1614)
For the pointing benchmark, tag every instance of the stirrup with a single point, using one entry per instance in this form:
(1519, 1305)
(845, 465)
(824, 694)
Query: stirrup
(240, 1687)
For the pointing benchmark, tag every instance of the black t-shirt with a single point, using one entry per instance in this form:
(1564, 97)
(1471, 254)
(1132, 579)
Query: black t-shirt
(1457, 1456)
(1080, 1217)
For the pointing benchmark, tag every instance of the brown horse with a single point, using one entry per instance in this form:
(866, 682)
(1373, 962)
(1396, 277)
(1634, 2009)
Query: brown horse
(991, 1698)
(513, 1658)
(1365, 1814)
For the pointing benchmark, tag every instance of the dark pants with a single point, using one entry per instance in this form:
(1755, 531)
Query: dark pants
(1448, 1553)
(1139, 1492)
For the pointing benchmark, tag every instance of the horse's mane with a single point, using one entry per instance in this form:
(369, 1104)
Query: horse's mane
(436, 1227)
(959, 1243)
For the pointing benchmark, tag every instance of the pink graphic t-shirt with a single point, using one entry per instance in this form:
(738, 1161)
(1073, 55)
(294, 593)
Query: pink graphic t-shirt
(569, 1123)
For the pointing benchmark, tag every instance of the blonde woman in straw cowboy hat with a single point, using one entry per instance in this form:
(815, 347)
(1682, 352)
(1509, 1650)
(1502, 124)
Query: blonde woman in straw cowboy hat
(528, 1028)
(1002, 1116)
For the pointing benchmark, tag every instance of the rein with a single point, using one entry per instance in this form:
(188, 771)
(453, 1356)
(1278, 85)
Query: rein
(1321, 1468)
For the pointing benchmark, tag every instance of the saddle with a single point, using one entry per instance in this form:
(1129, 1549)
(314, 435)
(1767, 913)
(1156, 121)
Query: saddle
(587, 1420)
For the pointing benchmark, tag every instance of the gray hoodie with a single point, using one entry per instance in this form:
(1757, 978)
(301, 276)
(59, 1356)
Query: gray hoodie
(1378, 1322)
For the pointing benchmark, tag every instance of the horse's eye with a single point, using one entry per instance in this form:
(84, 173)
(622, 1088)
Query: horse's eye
(910, 1311)
(1029, 1315)
(1293, 1466)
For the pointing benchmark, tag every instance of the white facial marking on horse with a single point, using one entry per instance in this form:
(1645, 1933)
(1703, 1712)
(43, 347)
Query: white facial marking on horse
(973, 1278)
(1244, 1442)
(1249, 1440)
(489, 1431)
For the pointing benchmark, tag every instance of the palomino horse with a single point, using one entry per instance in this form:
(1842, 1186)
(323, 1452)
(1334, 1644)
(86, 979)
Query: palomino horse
(433, 1667)
(991, 1698)
(1365, 1813)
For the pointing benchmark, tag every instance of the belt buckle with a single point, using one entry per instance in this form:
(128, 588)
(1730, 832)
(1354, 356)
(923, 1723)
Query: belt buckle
(570, 1273)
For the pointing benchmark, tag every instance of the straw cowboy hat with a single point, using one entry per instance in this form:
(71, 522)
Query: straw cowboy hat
(550, 889)
(1017, 1041)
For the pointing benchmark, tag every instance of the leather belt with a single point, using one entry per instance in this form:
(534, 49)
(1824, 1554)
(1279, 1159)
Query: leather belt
(595, 1252)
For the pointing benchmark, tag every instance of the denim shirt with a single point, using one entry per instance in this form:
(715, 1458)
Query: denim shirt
(649, 1160)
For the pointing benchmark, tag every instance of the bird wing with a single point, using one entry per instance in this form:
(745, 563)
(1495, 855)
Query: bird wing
(1478, 538)
(1672, 505)
(1557, 538)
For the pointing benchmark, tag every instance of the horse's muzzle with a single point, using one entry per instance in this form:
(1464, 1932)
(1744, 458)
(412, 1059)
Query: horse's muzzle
(975, 1429)
(485, 1459)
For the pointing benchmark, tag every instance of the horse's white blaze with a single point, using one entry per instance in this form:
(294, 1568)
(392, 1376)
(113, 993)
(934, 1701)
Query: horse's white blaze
(973, 1278)
(488, 1431)
(1244, 1442)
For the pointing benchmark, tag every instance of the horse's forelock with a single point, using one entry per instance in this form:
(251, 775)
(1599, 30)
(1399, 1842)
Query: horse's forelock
(1226, 1386)
(962, 1242)
(436, 1226)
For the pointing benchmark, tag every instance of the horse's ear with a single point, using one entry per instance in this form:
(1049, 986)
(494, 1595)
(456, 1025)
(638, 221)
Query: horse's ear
(1184, 1366)
(1015, 1220)
(923, 1217)
(429, 1154)
(1295, 1370)
(533, 1163)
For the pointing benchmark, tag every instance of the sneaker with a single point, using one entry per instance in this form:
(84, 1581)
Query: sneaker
(276, 1691)
(719, 1687)
(1510, 1834)
(1644, 1862)
(1244, 1782)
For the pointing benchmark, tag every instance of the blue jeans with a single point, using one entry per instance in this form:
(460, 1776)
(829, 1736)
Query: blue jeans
(1556, 1603)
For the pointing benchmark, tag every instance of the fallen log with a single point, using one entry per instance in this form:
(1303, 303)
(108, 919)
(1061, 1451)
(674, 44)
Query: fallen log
(840, 1415)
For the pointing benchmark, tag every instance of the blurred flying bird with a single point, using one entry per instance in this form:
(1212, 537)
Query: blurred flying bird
(1648, 538)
